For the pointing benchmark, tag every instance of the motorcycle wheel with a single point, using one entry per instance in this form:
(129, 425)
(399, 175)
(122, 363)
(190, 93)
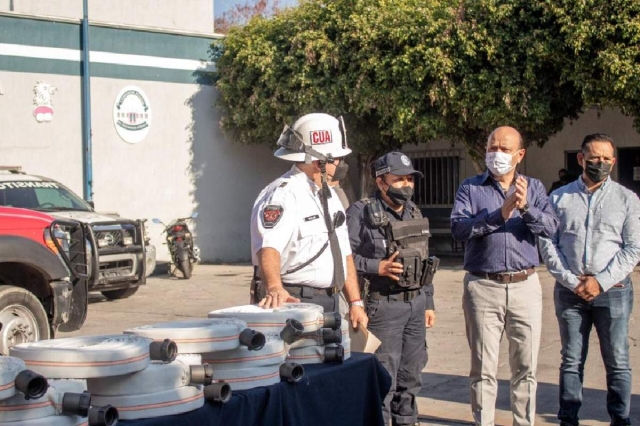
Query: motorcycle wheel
(185, 267)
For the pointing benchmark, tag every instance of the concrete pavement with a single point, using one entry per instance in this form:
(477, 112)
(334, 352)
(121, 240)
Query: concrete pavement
(445, 395)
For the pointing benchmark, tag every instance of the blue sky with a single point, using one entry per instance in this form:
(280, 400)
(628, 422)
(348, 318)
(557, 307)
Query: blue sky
(221, 6)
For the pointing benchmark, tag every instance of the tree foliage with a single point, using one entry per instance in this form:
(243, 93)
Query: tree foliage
(412, 71)
(602, 40)
(507, 68)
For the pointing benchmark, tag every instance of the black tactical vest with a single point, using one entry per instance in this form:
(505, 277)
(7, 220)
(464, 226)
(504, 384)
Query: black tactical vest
(409, 237)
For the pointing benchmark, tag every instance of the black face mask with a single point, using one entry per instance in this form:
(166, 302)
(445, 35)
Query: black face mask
(400, 196)
(597, 172)
(341, 171)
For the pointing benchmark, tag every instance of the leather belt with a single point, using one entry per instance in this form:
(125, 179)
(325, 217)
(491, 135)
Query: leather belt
(405, 296)
(506, 277)
(308, 292)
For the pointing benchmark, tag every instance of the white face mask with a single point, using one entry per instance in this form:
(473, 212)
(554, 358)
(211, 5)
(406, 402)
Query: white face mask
(499, 163)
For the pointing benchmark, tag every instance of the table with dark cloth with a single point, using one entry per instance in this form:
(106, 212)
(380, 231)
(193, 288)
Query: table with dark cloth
(348, 394)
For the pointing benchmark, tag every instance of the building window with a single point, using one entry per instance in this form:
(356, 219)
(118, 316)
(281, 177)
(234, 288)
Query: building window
(571, 164)
(441, 169)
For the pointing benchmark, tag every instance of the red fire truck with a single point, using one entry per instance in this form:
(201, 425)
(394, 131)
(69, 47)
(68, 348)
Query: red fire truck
(44, 267)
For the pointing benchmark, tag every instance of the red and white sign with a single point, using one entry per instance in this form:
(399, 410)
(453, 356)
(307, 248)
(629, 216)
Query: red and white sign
(320, 137)
(43, 111)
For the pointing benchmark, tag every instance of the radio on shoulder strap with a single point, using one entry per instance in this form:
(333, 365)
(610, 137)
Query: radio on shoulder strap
(374, 213)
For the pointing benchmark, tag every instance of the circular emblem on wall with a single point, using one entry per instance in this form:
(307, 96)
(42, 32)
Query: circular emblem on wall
(132, 114)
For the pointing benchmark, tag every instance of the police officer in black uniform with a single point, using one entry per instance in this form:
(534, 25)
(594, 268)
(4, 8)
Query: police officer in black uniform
(389, 240)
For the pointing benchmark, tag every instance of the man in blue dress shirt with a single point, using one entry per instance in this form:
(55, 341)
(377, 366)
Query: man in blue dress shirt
(591, 257)
(499, 214)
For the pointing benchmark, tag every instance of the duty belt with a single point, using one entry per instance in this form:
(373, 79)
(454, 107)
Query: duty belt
(506, 277)
(308, 292)
(405, 296)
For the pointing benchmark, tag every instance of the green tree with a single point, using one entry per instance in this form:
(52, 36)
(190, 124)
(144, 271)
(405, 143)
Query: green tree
(273, 70)
(507, 61)
(400, 71)
(602, 40)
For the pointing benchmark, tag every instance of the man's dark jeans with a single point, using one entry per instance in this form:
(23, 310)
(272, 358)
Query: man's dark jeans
(609, 313)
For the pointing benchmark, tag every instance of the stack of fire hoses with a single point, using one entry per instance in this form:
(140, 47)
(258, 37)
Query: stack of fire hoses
(28, 399)
(164, 369)
(115, 358)
(326, 346)
(319, 339)
(216, 338)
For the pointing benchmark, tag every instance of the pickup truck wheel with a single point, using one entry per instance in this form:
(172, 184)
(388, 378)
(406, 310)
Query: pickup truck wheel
(22, 318)
(123, 293)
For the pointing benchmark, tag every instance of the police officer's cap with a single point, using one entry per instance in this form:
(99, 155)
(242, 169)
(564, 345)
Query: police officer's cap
(396, 163)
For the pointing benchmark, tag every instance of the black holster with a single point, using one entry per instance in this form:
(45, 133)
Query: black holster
(431, 266)
(411, 277)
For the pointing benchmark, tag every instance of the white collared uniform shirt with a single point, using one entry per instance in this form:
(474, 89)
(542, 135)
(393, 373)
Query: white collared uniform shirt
(292, 201)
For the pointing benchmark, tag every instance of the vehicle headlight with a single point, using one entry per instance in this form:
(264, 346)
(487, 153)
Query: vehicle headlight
(62, 237)
(127, 238)
(87, 245)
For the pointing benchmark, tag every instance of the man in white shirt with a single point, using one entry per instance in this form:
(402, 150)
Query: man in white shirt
(299, 239)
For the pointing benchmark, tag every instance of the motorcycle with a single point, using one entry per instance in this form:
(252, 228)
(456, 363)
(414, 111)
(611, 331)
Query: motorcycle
(184, 254)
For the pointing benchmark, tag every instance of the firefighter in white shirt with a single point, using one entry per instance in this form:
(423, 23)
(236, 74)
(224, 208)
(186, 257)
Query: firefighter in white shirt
(299, 239)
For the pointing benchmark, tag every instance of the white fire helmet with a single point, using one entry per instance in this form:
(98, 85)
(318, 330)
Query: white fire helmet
(321, 132)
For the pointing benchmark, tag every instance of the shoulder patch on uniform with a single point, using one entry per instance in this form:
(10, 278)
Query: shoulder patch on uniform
(283, 184)
(271, 215)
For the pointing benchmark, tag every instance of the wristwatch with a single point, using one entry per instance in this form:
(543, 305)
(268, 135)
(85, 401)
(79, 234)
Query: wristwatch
(524, 209)
(356, 303)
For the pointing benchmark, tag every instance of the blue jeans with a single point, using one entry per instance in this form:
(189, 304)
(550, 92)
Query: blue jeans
(609, 313)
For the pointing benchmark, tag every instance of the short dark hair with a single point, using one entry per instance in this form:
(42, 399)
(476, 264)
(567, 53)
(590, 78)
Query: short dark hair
(596, 137)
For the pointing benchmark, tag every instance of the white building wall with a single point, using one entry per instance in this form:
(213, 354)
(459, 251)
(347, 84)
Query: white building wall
(51, 149)
(544, 163)
(184, 164)
(183, 15)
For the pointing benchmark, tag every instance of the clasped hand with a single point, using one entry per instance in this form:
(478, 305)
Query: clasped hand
(516, 200)
(589, 288)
